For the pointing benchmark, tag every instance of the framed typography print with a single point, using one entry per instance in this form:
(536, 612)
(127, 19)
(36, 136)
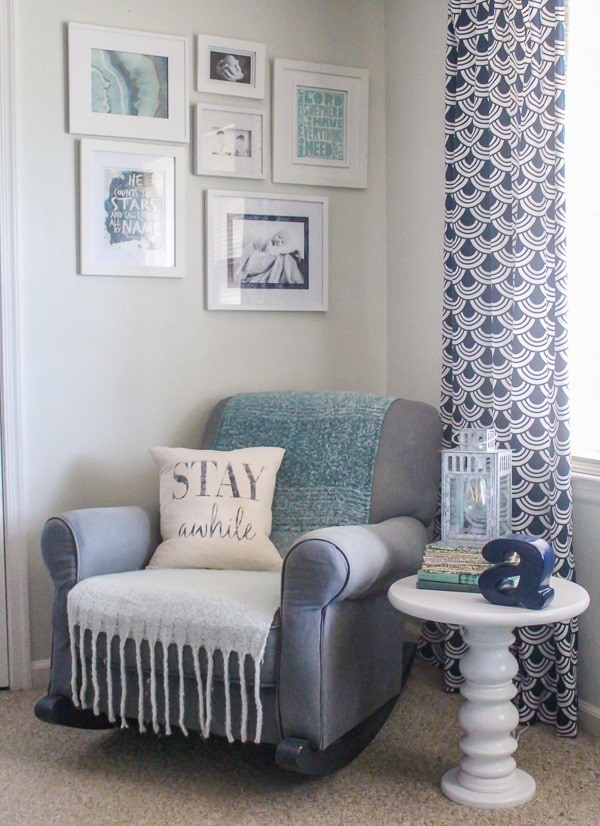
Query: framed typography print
(320, 124)
(131, 209)
(266, 252)
(230, 142)
(127, 84)
(226, 66)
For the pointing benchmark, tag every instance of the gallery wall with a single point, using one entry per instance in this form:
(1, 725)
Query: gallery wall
(113, 365)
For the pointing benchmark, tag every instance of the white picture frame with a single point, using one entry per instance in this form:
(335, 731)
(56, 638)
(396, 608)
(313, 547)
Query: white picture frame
(230, 142)
(249, 268)
(225, 66)
(127, 84)
(132, 215)
(320, 124)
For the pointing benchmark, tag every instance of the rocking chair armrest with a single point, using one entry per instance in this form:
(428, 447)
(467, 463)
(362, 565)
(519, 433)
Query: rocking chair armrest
(350, 562)
(84, 543)
(91, 541)
(341, 640)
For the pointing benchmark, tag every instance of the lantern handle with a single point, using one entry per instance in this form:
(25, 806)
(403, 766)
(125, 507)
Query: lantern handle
(475, 438)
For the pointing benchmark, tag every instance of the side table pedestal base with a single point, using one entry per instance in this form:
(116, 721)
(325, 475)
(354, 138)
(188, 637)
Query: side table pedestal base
(488, 776)
(523, 792)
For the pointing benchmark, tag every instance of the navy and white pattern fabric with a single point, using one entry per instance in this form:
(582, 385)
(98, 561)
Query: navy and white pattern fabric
(504, 322)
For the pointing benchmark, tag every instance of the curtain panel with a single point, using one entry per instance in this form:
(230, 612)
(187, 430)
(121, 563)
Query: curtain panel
(504, 320)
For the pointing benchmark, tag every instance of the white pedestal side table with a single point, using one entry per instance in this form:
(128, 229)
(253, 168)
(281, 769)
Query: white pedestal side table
(487, 776)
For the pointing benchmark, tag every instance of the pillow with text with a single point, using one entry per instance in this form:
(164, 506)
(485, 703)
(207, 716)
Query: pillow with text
(215, 508)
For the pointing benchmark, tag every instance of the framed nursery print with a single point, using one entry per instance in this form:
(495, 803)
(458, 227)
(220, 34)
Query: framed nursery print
(230, 142)
(131, 209)
(320, 124)
(266, 252)
(127, 84)
(230, 67)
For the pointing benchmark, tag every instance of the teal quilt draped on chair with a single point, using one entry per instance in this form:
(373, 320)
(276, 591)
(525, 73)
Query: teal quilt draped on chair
(323, 480)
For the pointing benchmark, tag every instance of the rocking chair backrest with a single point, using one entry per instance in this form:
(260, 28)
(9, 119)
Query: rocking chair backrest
(348, 455)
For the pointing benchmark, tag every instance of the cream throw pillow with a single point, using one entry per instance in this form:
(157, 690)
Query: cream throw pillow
(215, 508)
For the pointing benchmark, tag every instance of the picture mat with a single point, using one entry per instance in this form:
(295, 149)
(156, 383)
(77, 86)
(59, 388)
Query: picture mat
(83, 40)
(207, 45)
(144, 210)
(288, 167)
(208, 119)
(221, 294)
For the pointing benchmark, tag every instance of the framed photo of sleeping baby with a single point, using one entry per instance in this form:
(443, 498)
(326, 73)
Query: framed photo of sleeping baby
(230, 67)
(266, 252)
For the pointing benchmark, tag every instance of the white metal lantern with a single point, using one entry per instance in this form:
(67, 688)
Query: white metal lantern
(476, 489)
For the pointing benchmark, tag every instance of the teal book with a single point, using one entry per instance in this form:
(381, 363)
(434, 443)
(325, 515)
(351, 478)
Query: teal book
(446, 576)
(465, 587)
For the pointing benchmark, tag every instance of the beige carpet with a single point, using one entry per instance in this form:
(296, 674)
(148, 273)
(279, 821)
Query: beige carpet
(50, 774)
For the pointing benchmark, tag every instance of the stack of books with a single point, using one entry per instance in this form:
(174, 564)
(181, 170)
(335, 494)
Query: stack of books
(451, 566)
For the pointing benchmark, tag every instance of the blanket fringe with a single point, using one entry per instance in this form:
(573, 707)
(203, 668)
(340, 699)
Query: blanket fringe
(85, 682)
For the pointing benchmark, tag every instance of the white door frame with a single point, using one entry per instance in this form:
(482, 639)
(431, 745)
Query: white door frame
(15, 545)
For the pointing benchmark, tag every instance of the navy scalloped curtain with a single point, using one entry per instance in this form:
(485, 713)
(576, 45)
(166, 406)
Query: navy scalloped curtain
(504, 320)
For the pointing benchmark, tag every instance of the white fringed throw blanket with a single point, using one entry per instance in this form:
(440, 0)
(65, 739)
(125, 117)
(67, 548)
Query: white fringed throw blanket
(226, 611)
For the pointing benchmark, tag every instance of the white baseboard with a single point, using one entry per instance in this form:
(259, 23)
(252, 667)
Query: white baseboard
(586, 488)
(40, 674)
(589, 718)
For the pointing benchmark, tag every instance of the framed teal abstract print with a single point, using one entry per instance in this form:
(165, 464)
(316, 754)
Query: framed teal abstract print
(127, 84)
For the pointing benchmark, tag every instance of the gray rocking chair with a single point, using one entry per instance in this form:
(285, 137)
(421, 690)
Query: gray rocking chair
(355, 494)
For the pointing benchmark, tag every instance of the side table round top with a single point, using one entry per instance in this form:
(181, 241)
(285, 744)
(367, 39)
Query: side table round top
(459, 608)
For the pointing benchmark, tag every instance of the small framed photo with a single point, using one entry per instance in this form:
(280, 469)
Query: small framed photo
(132, 215)
(266, 252)
(230, 142)
(320, 124)
(127, 84)
(230, 67)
